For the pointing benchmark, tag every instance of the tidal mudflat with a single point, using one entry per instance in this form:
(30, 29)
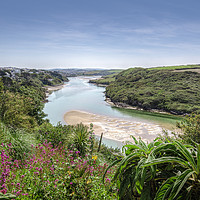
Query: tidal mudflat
(114, 128)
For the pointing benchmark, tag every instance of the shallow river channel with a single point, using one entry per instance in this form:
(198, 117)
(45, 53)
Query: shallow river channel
(80, 95)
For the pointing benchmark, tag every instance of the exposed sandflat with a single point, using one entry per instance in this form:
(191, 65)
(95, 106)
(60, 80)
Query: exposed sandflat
(114, 128)
(50, 89)
(54, 88)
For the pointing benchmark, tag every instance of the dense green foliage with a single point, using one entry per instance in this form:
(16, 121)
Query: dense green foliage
(190, 129)
(159, 170)
(21, 95)
(175, 92)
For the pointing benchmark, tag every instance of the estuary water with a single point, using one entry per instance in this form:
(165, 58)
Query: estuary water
(78, 94)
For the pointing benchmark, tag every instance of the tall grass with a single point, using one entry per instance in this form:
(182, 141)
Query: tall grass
(17, 140)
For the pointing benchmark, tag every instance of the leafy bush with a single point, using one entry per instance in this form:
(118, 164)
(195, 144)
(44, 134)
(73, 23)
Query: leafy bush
(158, 170)
(14, 110)
(18, 141)
(190, 128)
(54, 134)
(82, 138)
(79, 136)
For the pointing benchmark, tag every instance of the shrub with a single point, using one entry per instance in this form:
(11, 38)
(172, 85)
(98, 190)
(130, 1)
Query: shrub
(17, 140)
(190, 128)
(53, 134)
(159, 170)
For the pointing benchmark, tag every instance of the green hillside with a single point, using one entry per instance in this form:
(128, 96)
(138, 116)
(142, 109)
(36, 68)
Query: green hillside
(166, 90)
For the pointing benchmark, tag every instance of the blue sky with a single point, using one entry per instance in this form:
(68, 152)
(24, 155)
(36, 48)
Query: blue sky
(99, 33)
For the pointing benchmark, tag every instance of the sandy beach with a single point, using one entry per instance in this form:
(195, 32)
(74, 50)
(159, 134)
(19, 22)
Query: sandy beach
(114, 128)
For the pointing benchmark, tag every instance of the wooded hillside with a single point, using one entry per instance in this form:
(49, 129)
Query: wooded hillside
(170, 91)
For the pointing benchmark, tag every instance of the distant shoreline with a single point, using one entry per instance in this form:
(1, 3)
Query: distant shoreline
(126, 106)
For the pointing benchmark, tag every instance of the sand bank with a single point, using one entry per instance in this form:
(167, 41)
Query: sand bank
(54, 88)
(114, 128)
(50, 89)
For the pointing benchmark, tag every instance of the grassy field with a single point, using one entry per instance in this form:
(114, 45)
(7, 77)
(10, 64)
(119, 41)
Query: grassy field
(180, 67)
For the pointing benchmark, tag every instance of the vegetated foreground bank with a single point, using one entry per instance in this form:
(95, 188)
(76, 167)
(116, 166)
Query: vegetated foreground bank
(164, 90)
(42, 161)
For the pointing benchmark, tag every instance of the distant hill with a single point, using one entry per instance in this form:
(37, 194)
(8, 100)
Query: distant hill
(86, 72)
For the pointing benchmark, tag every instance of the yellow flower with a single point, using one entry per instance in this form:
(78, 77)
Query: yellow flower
(69, 172)
(72, 193)
(88, 181)
(94, 157)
